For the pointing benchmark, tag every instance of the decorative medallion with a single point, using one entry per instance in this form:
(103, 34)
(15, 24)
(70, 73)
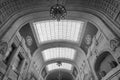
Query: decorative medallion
(29, 40)
(3, 47)
(88, 39)
(114, 43)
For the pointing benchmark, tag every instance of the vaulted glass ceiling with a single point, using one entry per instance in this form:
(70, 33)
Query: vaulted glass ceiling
(58, 52)
(54, 66)
(64, 30)
(50, 30)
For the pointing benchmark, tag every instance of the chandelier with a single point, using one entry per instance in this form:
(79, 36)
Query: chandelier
(59, 63)
(58, 11)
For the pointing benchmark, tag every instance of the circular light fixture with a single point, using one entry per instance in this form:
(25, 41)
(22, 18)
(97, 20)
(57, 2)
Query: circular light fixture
(58, 12)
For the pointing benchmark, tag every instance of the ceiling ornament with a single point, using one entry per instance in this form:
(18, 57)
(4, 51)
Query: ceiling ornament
(58, 11)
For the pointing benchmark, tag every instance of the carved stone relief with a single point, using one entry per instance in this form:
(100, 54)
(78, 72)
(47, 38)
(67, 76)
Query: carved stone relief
(114, 43)
(3, 47)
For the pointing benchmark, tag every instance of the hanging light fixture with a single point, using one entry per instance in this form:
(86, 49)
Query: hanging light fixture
(59, 63)
(58, 11)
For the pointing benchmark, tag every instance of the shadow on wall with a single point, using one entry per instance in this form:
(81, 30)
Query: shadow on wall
(104, 63)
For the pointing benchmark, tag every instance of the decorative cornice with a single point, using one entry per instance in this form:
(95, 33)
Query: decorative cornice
(109, 8)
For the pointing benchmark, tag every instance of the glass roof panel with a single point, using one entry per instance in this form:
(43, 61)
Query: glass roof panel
(50, 30)
(54, 66)
(58, 52)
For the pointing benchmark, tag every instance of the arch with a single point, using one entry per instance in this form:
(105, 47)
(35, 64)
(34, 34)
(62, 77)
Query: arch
(26, 16)
(76, 15)
(21, 7)
(65, 75)
(30, 16)
(101, 59)
(62, 60)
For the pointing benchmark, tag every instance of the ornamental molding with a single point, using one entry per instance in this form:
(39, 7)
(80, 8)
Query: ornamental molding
(110, 8)
(106, 10)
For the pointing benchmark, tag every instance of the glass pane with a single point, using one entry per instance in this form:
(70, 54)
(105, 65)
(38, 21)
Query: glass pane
(58, 52)
(54, 66)
(69, 30)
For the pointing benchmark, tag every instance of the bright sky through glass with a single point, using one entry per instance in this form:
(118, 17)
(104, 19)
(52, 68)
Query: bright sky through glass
(58, 52)
(50, 30)
(54, 66)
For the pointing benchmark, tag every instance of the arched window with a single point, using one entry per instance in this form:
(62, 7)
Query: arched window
(104, 63)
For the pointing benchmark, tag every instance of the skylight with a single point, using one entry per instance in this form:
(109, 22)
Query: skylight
(69, 30)
(58, 52)
(54, 66)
